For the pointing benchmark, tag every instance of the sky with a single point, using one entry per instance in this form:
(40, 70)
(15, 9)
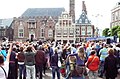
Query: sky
(99, 11)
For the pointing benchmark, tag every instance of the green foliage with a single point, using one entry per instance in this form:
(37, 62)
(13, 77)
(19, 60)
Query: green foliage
(114, 31)
(105, 32)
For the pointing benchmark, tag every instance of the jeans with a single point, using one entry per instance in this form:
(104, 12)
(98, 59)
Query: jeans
(101, 69)
(12, 71)
(77, 77)
(55, 69)
(30, 70)
(93, 74)
(39, 71)
(22, 71)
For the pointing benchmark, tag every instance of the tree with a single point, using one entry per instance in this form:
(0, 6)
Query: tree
(106, 32)
(114, 30)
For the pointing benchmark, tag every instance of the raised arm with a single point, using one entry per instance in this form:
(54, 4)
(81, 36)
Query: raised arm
(9, 52)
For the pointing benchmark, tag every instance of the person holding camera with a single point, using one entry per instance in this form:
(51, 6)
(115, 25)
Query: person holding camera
(30, 62)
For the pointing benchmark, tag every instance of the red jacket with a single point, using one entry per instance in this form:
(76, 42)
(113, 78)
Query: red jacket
(40, 57)
(93, 63)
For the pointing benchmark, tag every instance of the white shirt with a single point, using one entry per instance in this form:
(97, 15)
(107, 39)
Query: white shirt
(6, 68)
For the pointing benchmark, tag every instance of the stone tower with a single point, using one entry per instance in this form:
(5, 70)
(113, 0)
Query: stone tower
(72, 9)
(84, 7)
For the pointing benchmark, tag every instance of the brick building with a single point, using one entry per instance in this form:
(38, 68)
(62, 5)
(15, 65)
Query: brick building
(6, 29)
(84, 28)
(36, 23)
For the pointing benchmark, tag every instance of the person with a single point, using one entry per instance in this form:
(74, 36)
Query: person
(103, 53)
(3, 52)
(54, 64)
(93, 65)
(40, 60)
(21, 63)
(4, 65)
(12, 74)
(79, 71)
(30, 62)
(110, 65)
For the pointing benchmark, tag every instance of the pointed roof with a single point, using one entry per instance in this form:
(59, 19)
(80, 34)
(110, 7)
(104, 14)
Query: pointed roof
(83, 19)
(43, 12)
(6, 22)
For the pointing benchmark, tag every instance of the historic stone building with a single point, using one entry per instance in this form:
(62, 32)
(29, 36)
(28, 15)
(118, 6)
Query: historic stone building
(115, 15)
(5, 29)
(65, 29)
(40, 23)
(84, 28)
(36, 23)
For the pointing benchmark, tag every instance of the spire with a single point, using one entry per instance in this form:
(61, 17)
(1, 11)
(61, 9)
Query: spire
(72, 9)
(84, 7)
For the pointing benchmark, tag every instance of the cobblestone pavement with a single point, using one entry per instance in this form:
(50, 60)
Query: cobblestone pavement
(48, 76)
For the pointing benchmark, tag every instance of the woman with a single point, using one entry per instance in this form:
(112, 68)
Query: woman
(21, 63)
(110, 65)
(4, 66)
(93, 65)
(79, 71)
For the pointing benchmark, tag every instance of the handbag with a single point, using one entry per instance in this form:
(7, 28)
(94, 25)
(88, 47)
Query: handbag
(91, 62)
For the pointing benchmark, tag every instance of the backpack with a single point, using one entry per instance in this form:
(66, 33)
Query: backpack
(29, 58)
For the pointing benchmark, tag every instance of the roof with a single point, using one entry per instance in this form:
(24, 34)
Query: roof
(6, 22)
(43, 12)
(83, 19)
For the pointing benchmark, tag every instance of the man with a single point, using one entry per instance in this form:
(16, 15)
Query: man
(40, 60)
(30, 62)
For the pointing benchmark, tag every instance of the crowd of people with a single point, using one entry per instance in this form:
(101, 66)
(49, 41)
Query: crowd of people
(29, 60)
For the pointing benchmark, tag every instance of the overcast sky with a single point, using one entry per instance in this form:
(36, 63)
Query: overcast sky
(99, 11)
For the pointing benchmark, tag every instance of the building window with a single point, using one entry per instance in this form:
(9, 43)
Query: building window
(58, 32)
(21, 33)
(80, 21)
(32, 25)
(89, 30)
(21, 23)
(2, 33)
(82, 30)
(86, 20)
(77, 31)
(42, 32)
(65, 32)
(71, 32)
(50, 33)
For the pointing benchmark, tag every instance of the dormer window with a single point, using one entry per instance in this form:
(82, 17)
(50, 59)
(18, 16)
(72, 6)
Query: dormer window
(86, 20)
(80, 20)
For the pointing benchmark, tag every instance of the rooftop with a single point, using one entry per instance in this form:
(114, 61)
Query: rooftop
(43, 12)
